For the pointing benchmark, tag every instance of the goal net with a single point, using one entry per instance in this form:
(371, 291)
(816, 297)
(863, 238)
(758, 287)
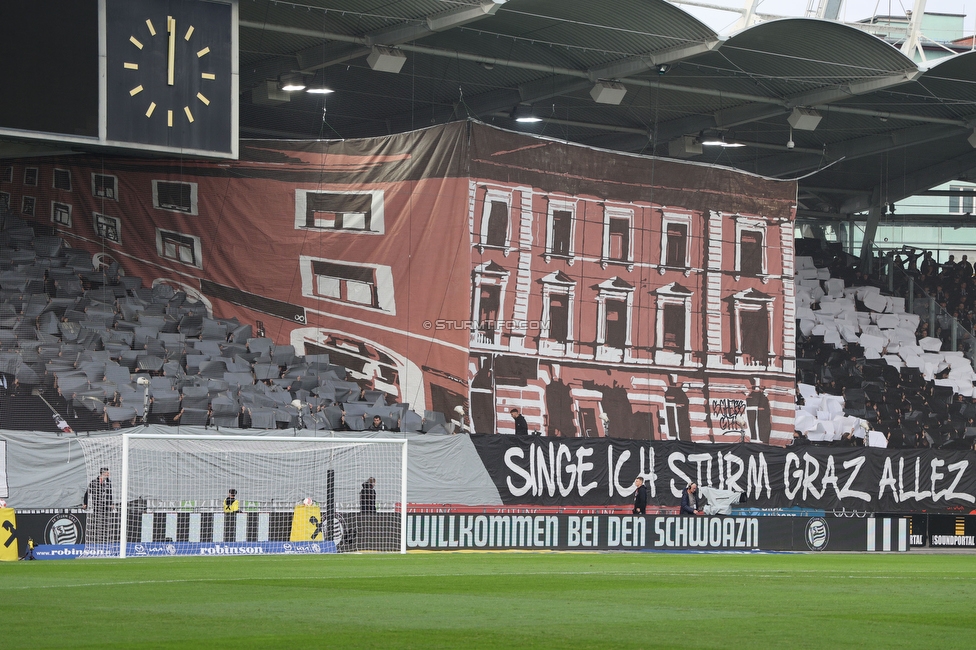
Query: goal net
(161, 494)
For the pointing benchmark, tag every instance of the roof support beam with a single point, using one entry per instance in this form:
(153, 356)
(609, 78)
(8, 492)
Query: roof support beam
(393, 35)
(619, 69)
(539, 89)
(853, 89)
(644, 62)
(546, 87)
(315, 58)
(943, 172)
(760, 107)
(301, 31)
(870, 230)
(770, 108)
(311, 59)
(788, 164)
(929, 220)
(642, 133)
(920, 180)
(439, 22)
(267, 69)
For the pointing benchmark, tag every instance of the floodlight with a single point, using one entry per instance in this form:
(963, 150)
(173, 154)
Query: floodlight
(523, 113)
(291, 82)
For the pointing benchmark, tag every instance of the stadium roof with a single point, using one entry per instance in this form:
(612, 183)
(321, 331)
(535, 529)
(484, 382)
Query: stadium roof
(887, 128)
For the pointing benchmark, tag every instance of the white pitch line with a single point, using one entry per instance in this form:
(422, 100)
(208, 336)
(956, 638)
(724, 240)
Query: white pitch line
(631, 574)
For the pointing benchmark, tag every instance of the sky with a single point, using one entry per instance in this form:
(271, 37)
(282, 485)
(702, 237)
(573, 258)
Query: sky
(851, 11)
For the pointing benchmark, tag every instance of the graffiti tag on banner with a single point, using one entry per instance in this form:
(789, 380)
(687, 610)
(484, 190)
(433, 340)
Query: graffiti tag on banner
(729, 413)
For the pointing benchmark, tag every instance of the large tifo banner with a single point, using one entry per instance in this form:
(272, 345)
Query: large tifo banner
(468, 270)
(546, 471)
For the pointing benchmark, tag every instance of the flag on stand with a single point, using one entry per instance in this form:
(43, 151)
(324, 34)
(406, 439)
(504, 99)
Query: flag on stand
(58, 420)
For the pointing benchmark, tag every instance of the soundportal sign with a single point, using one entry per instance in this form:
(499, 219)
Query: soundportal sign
(663, 533)
(530, 470)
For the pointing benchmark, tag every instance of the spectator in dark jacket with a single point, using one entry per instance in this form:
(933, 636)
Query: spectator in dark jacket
(521, 426)
(640, 497)
(689, 500)
(367, 496)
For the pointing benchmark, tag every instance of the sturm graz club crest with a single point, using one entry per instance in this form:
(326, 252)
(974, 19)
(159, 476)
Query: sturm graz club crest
(817, 534)
(63, 529)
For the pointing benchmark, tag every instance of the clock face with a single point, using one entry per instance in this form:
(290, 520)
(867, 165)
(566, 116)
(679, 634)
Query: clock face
(168, 76)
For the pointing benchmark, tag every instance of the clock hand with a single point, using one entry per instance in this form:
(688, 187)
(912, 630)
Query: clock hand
(171, 62)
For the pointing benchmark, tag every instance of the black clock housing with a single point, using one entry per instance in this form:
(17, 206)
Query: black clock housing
(196, 74)
(48, 62)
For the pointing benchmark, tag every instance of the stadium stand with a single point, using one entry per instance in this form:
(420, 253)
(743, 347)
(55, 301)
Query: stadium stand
(85, 349)
(871, 372)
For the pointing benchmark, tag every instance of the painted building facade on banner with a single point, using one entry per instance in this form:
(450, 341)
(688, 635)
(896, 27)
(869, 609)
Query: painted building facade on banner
(465, 266)
(598, 317)
(311, 245)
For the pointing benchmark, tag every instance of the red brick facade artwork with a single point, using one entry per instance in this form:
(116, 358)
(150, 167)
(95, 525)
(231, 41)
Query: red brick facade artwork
(598, 317)
(463, 267)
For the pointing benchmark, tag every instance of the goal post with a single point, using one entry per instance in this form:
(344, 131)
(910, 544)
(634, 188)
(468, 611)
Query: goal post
(244, 495)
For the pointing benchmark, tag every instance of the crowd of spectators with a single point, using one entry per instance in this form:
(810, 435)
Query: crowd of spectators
(909, 409)
(953, 287)
(85, 348)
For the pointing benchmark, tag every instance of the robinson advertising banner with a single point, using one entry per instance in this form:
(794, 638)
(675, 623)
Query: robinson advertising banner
(551, 471)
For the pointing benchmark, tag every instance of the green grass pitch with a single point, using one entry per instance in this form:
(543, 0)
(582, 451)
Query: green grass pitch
(494, 600)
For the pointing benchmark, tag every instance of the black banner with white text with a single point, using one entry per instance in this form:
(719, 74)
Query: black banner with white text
(531, 470)
(662, 533)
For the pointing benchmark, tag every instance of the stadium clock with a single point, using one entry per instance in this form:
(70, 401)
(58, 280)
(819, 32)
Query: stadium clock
(169, 68)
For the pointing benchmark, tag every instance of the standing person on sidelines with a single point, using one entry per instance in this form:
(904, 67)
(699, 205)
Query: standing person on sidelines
(100, 504)
(231, 508)
(689, 500)
(521, 426)
(640, 497)
(367, 496)
(231, 504)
